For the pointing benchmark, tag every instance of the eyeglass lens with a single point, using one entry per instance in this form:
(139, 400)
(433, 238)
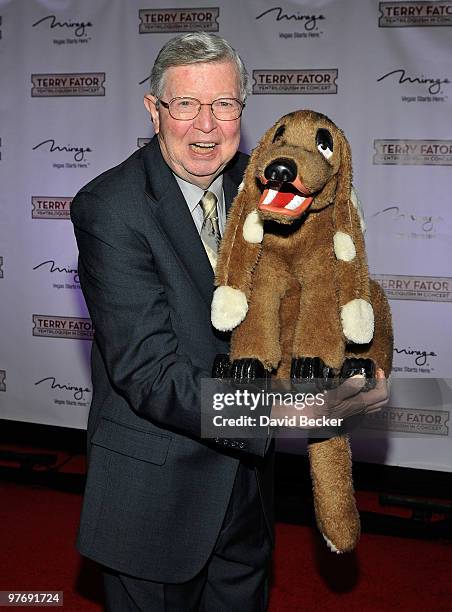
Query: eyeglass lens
(188, 108)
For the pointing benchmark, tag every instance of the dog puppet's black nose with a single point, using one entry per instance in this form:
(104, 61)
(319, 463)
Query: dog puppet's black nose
(281, 170)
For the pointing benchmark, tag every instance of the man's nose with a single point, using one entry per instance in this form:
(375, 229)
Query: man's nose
(205, 121)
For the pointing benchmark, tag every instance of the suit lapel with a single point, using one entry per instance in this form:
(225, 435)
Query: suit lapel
(173, 216)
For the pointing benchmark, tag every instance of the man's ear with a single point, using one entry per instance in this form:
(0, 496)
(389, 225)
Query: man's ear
(150, 105)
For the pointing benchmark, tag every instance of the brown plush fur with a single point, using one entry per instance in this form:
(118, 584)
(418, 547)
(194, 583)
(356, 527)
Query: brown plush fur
(338, 519)
(296, 288)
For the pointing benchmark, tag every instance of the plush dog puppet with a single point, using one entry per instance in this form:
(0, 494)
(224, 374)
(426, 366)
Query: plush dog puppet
(292, 282)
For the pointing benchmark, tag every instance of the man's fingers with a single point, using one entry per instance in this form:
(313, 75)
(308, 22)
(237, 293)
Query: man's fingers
(378, 395)
(349, 407)
(350, 400)
(345, 401)
(375, 407)
(369, 401)
(349, 388)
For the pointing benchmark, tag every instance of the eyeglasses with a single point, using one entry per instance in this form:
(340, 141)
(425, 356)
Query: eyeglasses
(185, 109)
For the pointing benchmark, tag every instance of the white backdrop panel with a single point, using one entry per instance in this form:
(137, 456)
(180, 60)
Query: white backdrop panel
(73, 77)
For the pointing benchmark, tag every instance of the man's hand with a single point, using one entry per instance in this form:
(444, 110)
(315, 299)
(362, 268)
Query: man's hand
(349, 399)
(342, 402)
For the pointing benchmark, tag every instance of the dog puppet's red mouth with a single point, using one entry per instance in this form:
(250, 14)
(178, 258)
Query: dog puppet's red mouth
(290, 199)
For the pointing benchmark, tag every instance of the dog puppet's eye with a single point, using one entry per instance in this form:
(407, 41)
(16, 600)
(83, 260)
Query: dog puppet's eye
(324, 142)
(279, 132)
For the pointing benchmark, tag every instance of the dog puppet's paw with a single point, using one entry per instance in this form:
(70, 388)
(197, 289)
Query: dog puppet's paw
(229, 308)
(248, 370)
(353, 366)
(305, 370)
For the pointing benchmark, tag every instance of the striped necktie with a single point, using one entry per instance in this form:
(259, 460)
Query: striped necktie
(210, 233)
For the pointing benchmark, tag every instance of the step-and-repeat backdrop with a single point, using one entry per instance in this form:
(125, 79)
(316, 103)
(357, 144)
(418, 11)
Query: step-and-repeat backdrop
(73, 76)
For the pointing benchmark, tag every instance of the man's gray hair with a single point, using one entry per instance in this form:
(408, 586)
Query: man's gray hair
(194, 48)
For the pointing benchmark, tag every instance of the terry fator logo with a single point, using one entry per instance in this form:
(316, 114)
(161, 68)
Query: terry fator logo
(425, 421)
(178, 20)
(47, 207)
(310, 81)
(68, 84)
(415, 14)
(413, 152)
(49, 326)
(422, 288)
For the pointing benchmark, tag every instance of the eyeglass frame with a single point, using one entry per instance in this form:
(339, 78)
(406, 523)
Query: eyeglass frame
(168, 104)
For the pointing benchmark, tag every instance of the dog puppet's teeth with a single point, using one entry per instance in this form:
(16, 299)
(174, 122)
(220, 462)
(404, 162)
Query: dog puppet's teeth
(295, 202)
(270, 196)
(284, 202)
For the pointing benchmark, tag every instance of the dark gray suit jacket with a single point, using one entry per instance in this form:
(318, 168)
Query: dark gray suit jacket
(156, 493)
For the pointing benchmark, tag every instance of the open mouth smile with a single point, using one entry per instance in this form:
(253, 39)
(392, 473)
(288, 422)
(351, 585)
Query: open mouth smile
(203, 147)
(290, 199)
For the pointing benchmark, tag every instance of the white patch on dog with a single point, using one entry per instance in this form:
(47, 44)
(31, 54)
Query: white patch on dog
(359, 209)
(344, 248)
(357, 318)
(253, 228)
(241, 186)
(229, 308)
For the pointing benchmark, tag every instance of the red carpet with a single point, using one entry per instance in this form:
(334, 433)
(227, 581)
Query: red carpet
(37, 552)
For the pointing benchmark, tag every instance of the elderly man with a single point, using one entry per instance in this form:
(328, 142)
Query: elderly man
(179, 523)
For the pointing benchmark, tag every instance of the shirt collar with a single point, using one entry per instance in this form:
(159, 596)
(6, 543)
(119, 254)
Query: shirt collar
(193, 193)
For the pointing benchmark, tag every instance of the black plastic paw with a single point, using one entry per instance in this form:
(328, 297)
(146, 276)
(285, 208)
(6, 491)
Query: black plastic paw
(221, 366)
(364, 367)
(312, 370)
(248, 370)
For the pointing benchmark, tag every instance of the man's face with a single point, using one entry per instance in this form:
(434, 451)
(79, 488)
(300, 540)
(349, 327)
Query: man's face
(179, 140)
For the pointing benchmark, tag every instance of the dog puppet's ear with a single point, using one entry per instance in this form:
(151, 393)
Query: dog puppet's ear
(237, 257)
(344, 180)
(352, 272)
(240, 247)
